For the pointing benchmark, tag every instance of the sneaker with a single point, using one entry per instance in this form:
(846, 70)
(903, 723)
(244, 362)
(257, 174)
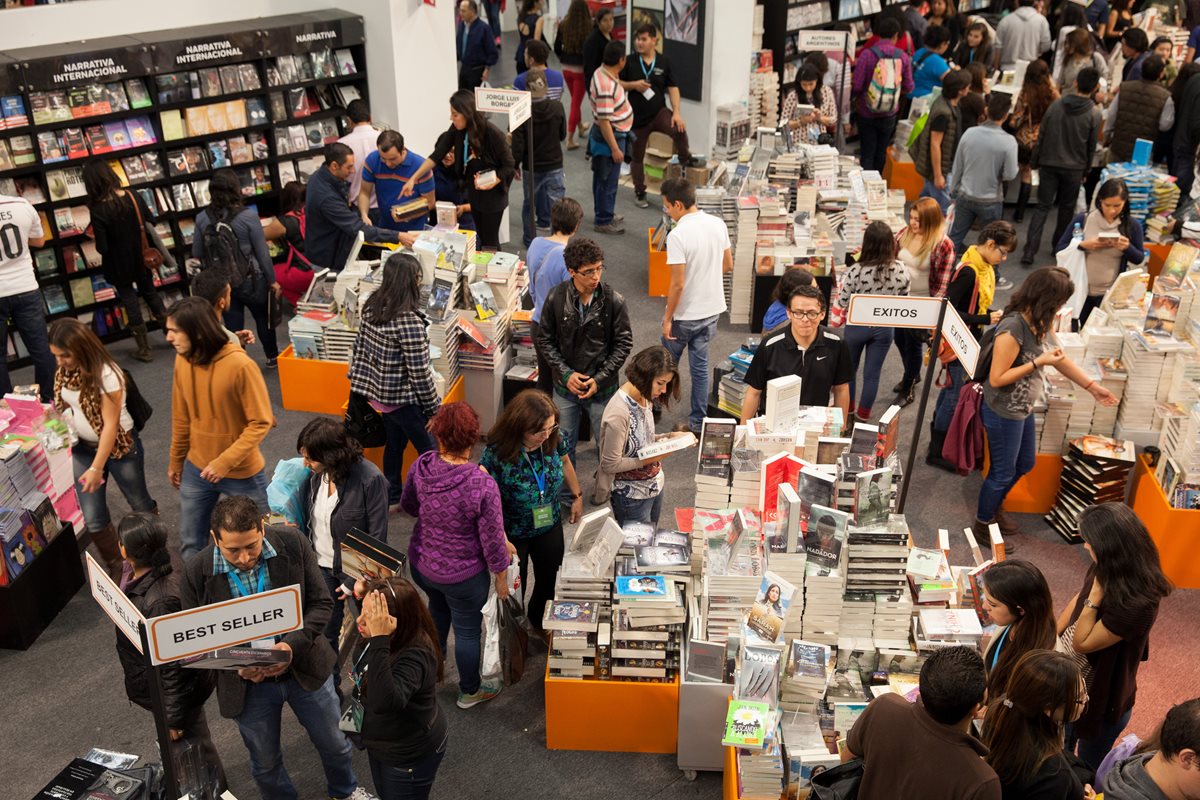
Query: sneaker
(486, 692)
(543, 231)
(272, 363)
(1026, 260)
(618, 219)
(1003, 283)
(358, 794)
(640, 201)
(613, 227)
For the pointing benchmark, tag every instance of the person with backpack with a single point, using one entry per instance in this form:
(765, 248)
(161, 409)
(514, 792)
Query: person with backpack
(882, 75)
(930, 67)
(119, 227)
(933, 153)
(230, 237)
(91, 391)
(293, 272)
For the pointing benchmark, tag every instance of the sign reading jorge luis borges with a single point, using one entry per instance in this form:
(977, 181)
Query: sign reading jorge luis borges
(225, 624)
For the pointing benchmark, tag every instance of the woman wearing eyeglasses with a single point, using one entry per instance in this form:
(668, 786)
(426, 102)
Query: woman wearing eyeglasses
(528, 459)
(1023, 729)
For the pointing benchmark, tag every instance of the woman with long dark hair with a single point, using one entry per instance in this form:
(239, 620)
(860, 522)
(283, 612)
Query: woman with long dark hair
(925, 249)
(877, 271)
(807, 128)
(1108, 255)
(975, 47)
(530, 20)
(390, 364)
(483, 165)
(1120, 17)
(119, 218)
(395, 675)
(528, 458)
(1014, 385)
(568, 46)
(1023, 729)
(1036, 95)
(944, 13)
(1078, 53)
(1112, 614)
(89, 388)
(151, 585)
(1017, 599)
(293, 272)
(345, 492)
(596, 41)
(229, 208)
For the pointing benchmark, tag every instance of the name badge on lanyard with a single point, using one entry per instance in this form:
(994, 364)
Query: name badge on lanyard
(649, 92)
(543, 512)
(242, 589)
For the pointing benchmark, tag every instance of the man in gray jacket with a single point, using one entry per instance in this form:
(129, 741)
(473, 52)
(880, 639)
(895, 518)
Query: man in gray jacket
(1062, 160)
(1172, 773)
(1023, 35)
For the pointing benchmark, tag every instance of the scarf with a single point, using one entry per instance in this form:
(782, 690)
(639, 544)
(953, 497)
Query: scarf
(89, 405)
(985, 278)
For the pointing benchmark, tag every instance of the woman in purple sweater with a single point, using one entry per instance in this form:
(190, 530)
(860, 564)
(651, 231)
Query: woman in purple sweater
(458, 541)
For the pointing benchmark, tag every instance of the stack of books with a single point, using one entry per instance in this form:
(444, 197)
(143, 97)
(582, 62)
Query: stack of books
(806, 676)
(946, 627)
(1095, 470)
(20, 541)
(713, 471)
(930, 578)
(727, 601)
(1144, 369)
(647, 628)
(524, 367)
(574, 627)
(744, 256)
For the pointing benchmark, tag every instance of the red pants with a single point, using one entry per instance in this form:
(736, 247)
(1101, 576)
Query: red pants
(578, 89)
(662, 124)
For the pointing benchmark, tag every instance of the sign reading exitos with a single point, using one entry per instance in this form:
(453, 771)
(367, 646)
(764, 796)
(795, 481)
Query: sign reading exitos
(958, 335)
(119, 608)
(893, 311)
(513, 102)
(207, 628)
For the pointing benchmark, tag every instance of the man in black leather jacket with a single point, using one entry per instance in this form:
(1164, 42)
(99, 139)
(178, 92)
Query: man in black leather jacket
(585, 336)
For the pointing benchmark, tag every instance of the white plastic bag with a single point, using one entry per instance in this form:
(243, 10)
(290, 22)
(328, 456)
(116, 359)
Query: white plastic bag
(1074, 261)
(489, 661)
(505, 233)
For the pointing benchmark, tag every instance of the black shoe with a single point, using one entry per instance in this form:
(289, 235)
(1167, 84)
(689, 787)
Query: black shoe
(907, 394)
(1026, 260)
(640, 201)
(898, 388)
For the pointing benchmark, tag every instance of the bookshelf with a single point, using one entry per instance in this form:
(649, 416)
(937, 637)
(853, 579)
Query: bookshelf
(166, 109)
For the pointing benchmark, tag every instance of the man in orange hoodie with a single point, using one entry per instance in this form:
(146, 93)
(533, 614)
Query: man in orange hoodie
(220, 413)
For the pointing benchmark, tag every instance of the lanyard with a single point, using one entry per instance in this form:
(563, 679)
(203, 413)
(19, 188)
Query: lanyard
(645, 72)
(466, 139)
(243, 589)
(540, 478)
(999, 644)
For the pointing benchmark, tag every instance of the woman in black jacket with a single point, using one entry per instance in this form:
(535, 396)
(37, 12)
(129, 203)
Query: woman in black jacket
(395, 680)
(118, 222)
(345, 491)
(150, 584)
(482, 163)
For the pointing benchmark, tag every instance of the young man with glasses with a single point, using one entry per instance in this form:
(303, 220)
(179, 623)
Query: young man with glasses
(244, 559)
(805, 348)
(585, 336)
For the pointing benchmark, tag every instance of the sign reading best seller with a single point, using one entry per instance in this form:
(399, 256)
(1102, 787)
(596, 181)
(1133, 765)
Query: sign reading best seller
(225, 624)
(120, 609)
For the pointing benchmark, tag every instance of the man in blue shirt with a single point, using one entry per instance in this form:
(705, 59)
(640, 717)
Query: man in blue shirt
(474, 45)
(537, 54)
(929, 64)
(384, 171)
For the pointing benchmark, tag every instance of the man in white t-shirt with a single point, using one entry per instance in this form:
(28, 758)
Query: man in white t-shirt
(20, 298)
(698, 254)
(361, 139)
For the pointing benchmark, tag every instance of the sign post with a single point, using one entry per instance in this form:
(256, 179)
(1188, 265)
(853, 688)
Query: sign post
(518, 105)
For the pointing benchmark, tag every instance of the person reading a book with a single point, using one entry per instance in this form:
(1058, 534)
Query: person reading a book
(585, 336)
(1023, 729)
(389, 365)
(90, 391)
(1016, 598)
(458, 549)
(1013, 385)
(345, 492)
(384, 172)
(149, 581)
(805, 348)
(634, 485)
(247, 558)
(396, 674)
(1171, 771)
(1108, 622)
(925, 749)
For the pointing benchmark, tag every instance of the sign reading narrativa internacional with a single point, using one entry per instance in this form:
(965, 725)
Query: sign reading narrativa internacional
(174, 53)
(84, 65)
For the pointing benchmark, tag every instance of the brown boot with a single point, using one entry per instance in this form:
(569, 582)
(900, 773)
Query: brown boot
(143, 352)
(107, 543)
(1008, 525)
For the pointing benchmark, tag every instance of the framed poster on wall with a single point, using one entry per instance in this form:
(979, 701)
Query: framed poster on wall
(680, 26)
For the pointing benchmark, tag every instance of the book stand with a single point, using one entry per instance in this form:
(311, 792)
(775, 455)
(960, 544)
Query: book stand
(612, 716)
(1176, 531)
(31, 601)
(659, 272)
(903, 175)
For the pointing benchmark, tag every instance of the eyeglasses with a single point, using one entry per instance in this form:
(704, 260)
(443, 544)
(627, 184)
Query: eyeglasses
(545, 431)
(1083, 701)
(590, 273)
(811, 316)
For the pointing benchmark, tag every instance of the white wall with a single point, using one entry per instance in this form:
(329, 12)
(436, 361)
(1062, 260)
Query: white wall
(410, 53)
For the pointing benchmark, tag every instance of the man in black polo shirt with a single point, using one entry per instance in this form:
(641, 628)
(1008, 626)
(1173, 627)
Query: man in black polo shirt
(805, 348)
(649, 81)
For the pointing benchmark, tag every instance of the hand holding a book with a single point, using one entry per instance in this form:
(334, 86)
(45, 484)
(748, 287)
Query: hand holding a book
(375, 617)
(259, 674)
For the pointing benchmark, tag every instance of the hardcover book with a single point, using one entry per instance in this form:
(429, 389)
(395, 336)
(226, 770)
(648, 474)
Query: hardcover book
(872, 496)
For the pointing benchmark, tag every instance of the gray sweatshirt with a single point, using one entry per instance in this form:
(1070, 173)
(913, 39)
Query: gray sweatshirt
(1128, 781)
(1075, 121)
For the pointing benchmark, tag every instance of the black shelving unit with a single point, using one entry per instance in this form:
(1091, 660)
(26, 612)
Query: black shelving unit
(252, 48)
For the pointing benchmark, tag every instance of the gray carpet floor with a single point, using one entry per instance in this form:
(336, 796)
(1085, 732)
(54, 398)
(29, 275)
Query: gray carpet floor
(68, 694)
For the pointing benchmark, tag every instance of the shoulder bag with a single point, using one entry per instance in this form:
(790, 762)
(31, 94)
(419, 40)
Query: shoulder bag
(152, 259)
(363, 422)
(139, 409)
(839, 783)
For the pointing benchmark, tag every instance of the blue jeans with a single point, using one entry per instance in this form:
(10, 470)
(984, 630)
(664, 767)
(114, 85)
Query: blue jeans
(409, 782)
(461, 605)
(569, 410)
(548, 188)
(947, 399)
(235, 319)
(695, 335)
(966, 211)
(493, 15)
(130, 474)
(318, 712)
(606, 173)
(404, 425)
(912, 351)
(626, 510)
(28, 313)
(874, 136)
(1092, 751)
(876, 342)
(1012, 449)
(941, 195)
(197, 497)
(333, 628)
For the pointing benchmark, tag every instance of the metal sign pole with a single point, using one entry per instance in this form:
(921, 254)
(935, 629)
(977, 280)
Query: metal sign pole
(929, 372)
(158, 707)
(530, 180)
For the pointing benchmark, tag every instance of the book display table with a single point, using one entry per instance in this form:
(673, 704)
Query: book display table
(318, 387)
(1176, 531)
(903, 175)
(1036, 491)
(659, 272)
(30, 602)
(612, 716)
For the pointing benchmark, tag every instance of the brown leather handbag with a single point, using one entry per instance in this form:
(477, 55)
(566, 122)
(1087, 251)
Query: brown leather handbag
(151, 257)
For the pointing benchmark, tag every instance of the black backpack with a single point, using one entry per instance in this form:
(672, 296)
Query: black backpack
(223, 251)
(139, 408)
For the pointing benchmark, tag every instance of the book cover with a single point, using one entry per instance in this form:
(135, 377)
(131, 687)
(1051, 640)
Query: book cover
(824, 540)
(746, 724)
(141, 132)
(114, 93)
(239, 657)
(872, 496)
(814, 487)
(229, 82)
(1175, 267)
(889, 434)
(196, 122)
(50, 148)
(248, 77)
(638, 587)
(1161, 313)
(12, 107)
(256, 111)
(75, 143)
(118, 137)
(97, 140)
(366, 558)
(758, 677)
(768, 615)
(44, 263)
(172, 124)
(474, 334)
(667, 445)
(656, 557)
(863, 437)
(716, 448)
(239, 150)
(484, 300)
(787, 521)
(56, 299)
(565, 615)
(783, 403)
(138, 96)
(218, 153)
(153, 167)
(344, 62)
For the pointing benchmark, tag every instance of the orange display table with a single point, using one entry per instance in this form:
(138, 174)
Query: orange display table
(1035, 492)
(375, 454)
(903, 175)
(659, 272)
(1176, 531)
(318, 387)
(613, 716)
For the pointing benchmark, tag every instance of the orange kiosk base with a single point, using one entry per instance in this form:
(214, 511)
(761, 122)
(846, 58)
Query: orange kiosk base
(318, 387)
(903, 175)
(612, 716)
(1036, 491)
(659, 272)
(375, 454)
(1176, 531)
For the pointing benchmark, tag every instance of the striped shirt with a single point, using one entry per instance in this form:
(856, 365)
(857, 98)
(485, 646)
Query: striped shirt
(610, 102)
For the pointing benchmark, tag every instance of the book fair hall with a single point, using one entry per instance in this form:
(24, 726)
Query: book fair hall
(606, 399)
